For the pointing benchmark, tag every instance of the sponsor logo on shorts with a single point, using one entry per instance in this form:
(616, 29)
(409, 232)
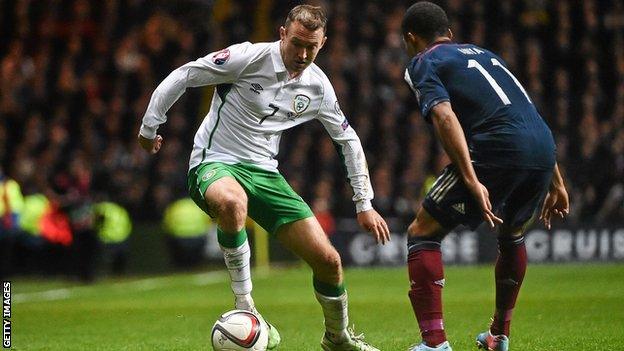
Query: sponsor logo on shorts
(209, 174)
(460, 208)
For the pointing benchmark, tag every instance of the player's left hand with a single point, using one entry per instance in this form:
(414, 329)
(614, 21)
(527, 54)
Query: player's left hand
(375, 224)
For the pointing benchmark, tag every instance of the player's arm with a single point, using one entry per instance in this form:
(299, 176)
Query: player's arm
(452, 137)
(352, 154)
(219, 67)
(557, 180)
(557, 201)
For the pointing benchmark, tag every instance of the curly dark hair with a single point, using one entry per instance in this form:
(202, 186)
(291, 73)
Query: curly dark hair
(426, 20)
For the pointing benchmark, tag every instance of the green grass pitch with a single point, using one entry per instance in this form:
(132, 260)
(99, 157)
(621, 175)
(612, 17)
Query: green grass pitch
(561, 307)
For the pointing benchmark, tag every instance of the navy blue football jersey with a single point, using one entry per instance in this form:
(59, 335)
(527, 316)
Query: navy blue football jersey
(500, 122)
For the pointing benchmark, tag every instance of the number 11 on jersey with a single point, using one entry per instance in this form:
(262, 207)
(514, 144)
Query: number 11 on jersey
(497, 88)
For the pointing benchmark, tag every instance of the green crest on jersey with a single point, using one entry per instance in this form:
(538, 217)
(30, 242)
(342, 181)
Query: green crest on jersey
(301, 103)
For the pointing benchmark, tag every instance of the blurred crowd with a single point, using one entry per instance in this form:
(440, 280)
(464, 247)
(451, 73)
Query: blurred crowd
(76, 77)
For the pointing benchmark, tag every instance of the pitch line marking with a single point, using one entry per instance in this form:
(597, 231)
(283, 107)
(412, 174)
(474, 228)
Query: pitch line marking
(146, 284)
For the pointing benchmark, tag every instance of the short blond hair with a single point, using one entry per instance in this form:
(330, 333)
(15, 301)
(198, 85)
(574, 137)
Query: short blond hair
(312, 17)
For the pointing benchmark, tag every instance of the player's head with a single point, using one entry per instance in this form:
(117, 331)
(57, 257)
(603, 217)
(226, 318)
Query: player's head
(423, 23)
(302, 36)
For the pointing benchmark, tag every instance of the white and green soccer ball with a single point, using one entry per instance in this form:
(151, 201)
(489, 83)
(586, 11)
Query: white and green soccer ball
(239, 330)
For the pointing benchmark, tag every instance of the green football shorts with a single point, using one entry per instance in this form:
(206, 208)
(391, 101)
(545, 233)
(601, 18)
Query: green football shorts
(271, 200)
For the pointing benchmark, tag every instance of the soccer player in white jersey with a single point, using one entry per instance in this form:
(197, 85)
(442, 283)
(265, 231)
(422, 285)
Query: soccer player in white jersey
(263, 89)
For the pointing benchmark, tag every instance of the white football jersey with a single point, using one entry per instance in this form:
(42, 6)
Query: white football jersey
(254, 102)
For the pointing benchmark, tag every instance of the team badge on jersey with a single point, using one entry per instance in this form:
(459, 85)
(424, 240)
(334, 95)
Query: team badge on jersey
(221, 57)
(301, 103)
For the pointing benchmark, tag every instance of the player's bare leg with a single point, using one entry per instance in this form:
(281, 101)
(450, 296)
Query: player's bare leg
(426, 274)
(307, 240)
(228, 202)
(509, 273)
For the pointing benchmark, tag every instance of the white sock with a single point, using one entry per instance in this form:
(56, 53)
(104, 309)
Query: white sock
(237, 263)
(335, 311)
(245, 302)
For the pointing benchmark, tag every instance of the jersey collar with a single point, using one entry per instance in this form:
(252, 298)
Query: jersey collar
(276, 56)
(435, 44)
(441, 41)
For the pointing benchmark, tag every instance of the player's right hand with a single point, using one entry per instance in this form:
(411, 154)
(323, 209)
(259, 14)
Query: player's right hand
(482, 196)
(556, 202)
(151, 145)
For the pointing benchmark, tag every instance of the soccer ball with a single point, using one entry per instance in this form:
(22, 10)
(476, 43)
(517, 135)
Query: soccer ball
(239, 330)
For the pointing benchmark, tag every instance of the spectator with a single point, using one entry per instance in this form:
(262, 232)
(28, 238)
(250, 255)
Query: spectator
(77, 75)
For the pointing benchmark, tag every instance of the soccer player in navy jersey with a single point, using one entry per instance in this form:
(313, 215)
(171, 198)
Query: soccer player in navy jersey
(503, 166)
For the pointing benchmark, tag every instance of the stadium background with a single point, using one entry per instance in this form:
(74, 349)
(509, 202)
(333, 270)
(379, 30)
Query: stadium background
(77, 76)
(75, 79)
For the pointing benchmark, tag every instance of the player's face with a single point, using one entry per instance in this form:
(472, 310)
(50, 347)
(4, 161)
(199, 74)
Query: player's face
(300, 46)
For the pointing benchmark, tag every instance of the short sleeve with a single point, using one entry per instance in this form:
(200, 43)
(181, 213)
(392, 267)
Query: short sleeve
(423, 79)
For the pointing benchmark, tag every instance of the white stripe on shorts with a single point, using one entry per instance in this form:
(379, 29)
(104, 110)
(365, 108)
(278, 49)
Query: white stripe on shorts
(448, 187)
(441, 182)
(439, 179)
